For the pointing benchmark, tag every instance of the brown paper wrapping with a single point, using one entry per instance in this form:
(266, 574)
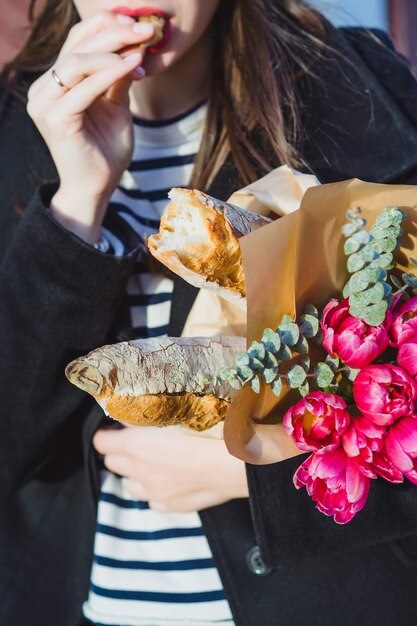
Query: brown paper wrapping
(289, 263)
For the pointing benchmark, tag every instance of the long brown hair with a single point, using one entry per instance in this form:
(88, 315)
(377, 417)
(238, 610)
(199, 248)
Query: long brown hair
(261, 47)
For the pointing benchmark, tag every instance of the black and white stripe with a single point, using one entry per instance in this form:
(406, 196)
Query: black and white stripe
(151, 568)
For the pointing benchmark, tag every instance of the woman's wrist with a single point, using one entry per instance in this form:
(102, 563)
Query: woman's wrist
(80, 214)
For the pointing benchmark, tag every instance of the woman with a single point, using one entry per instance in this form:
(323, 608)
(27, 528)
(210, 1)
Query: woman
(237, 88)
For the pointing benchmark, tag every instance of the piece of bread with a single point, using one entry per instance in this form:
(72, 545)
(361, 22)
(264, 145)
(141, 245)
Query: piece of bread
(198, 240)
(160, 381)
(158, 24)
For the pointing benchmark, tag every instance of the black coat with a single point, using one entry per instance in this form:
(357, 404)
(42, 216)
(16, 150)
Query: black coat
(59, 298)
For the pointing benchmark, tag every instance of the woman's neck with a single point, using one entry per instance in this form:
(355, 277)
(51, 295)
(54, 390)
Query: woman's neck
(176, 89)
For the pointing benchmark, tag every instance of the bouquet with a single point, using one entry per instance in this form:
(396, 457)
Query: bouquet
(344, 337)
(354, 364)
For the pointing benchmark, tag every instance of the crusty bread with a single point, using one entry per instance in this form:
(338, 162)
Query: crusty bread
(198, 240)
(158, 24)
(160, 381)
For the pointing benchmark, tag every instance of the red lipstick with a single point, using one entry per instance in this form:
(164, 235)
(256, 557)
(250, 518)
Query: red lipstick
(132, 12)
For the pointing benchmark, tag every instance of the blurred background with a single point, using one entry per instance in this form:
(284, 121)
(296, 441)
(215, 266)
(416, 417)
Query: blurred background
(397, 17)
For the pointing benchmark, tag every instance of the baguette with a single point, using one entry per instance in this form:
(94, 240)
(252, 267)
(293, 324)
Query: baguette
(160, 381)
(198, 240)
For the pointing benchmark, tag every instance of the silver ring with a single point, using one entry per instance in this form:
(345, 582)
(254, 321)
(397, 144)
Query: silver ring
(59, 81)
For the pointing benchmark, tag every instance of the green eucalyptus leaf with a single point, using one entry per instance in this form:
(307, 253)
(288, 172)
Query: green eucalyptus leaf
(349, 229)
(270, 374)
(352, 373)
(351, 246)
(236, 383)
(309, 325)
(346, 291)
(270, 361)
(358, 282)
(242, 359)
(386, 245)
(353, 212)
(310, 309)
(359, 222)
(355, 263)
(301, 346)
(284, 354)
(374, 294)
(257, 350)
(332, 362)
(255, 385)
(413, 261)
(271, 340)
(324, 375)
(277, 387)
(369, 254)
(245, 372)
(224, 373)
(374, 315)
(357, 311)
(304, 389)
(289, 333)
(296, 376)
(318, 339)
(410, 280)
(385, 232)
(385, 260)
(256, 365)
(305, 363)
(362, 237)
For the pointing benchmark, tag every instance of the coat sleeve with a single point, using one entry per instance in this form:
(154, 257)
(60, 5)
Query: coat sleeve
(58, 299)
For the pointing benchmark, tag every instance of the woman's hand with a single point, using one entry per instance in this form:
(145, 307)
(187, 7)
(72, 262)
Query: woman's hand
(173, 470)
(87, 124)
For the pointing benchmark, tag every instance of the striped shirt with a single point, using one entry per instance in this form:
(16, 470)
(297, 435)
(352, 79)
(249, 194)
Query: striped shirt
(151, 568)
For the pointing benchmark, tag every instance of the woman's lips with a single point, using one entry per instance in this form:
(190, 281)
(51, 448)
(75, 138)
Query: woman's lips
(132, 12)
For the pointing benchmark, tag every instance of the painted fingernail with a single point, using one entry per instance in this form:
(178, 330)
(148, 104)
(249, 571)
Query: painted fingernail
(138, 73)
(135, 57)
(142, 28)
(124, 19)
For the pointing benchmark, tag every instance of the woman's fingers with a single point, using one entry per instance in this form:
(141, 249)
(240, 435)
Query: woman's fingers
(111, 39)
(85, 77)
(117, 38)
(89, 27)
(120, 465)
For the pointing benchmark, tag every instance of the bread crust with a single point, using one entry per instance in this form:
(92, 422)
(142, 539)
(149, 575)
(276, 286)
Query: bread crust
(208, 254)
(160, 381)
(189, 409)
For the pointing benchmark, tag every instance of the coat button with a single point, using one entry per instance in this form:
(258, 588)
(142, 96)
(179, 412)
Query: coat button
(256, 563)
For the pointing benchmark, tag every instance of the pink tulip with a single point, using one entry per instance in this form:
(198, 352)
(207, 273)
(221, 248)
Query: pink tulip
(383, 466)
(335, 483)
(404, 322)
(384, 393)
(351, 339)
(364, 438)
(401, 446)
(407, 355)
(365, 441)
(317, 421)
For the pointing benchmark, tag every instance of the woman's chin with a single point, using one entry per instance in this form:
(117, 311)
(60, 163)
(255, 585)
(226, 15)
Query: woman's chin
(158, 62)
